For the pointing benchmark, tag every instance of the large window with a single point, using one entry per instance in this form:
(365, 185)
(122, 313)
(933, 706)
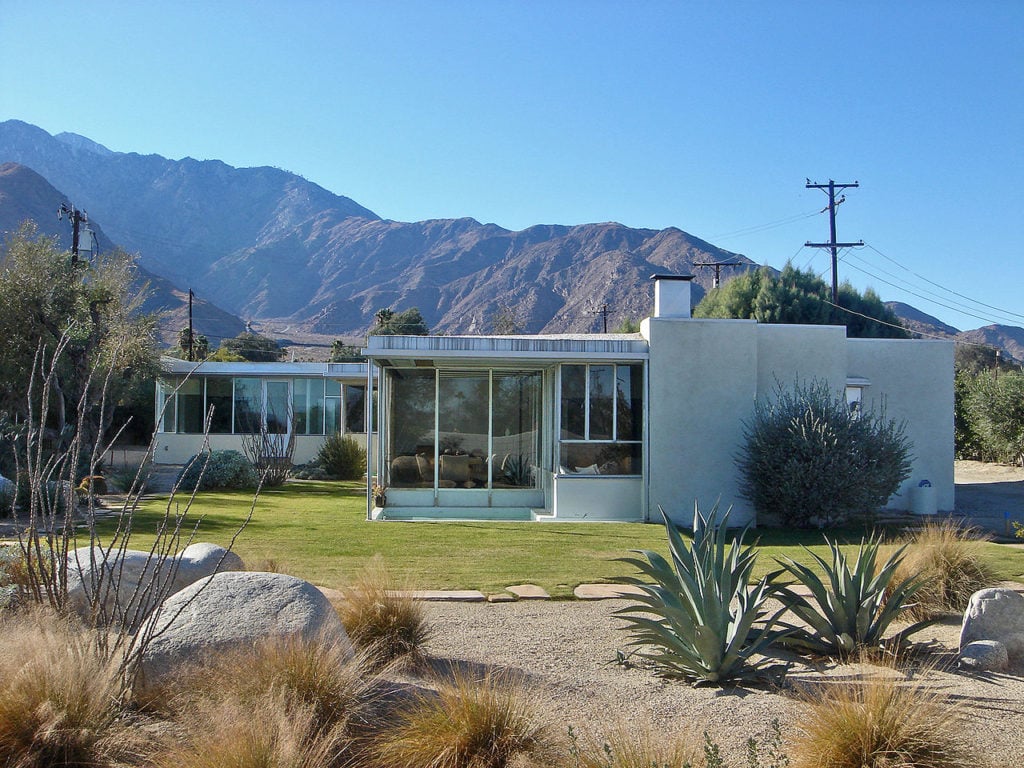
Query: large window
(602, 419)
(464, 429)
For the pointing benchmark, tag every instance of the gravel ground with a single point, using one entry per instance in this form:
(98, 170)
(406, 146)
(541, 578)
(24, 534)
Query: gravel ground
(567, 651)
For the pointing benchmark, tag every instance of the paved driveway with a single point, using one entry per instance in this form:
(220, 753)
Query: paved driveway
(990, 495)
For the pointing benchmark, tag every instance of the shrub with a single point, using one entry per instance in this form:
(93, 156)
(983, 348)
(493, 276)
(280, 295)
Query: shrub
(878, 722)
(853, 607)
(383, 621)
(467, 723)
(809, 459)
(342, 457)
(217, 469)
(704, 612)
(631, 747)
(58, 696)
(993, 413)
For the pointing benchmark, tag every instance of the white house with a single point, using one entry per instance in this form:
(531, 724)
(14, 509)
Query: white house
(612, 426)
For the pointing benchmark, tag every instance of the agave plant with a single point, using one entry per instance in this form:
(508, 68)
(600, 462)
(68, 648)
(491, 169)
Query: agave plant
(854, 605)
(698, 619)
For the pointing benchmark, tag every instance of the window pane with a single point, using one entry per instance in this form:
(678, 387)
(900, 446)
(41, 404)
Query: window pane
(574, 402)
(332, 414)
(355, 408)
(248, 405)
(315, 425)
(218, 396)
(412, 428)
(190, 407)
(333, 387)
(278, 407)
(601, 459)
(463, 417)
(167, 402)
(602, 401)
(300, 405)
(629, 402)
(516, 430)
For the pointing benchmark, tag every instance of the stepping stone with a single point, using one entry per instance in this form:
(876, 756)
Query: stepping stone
(528, 592)
(453, 595)
(606, 591)
(500, 598)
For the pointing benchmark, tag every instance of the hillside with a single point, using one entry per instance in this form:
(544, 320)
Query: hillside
(266, 244)
(27, 196)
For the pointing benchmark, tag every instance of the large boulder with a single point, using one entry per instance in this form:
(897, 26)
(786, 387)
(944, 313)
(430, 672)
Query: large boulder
(995, 614)
(127, 604)
(235, 610)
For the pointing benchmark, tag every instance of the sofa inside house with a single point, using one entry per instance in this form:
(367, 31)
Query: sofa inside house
(461, 470)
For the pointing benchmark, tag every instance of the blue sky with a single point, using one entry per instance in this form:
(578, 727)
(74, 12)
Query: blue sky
(703, 116)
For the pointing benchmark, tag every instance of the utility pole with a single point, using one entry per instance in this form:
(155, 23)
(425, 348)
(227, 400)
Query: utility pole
(832, 244)
(191, 335)
(718, 269)
(603, 311)
(77, 218)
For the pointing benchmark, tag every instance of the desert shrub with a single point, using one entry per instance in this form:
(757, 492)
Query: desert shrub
(382, 620)
(854, 604)
(14, 577)
(342, 457)
(127, 478)
(703, 611)
(950, 565)
(809, 459)
(263, 734)
(993, 416)
(58, 696)
(878, 722)
(466, 723)
(215, 470)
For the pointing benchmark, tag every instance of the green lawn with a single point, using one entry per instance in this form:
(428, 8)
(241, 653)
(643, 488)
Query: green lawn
(318, 531)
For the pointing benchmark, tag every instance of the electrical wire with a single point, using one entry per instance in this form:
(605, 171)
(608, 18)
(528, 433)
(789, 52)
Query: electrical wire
(763, 227)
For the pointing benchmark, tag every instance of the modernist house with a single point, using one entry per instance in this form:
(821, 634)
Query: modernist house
(612, 426)
(302, 400)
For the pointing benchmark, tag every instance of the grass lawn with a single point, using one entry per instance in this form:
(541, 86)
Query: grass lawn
(318, 531)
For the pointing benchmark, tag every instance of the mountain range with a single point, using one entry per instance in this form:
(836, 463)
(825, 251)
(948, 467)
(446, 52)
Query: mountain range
(267, 247)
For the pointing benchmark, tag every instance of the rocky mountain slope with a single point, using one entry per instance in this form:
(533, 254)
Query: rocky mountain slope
(27, 196)
(264, 243)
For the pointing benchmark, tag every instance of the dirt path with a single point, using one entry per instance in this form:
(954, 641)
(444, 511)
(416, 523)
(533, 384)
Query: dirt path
(991, 495)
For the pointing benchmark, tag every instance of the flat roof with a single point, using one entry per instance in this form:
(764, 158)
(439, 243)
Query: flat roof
(547, 347)
(327, 370)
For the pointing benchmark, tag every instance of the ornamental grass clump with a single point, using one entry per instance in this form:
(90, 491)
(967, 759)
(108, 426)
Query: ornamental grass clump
(854, 603)
(949, 561)
(878, 722)
(385, 622)
(631, 746)
(697, 620)
(59, 696)
(467, 723)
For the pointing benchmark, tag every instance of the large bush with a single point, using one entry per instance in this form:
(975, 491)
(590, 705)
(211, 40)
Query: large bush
(224, 469)
(342, 457)
(990, 416)
(809, 459)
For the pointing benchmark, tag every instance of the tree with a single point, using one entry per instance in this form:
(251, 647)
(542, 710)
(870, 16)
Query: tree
(92, 309)
(253, 347)
(200, 346)
(345, 353)
(796, 296)
(407, 323)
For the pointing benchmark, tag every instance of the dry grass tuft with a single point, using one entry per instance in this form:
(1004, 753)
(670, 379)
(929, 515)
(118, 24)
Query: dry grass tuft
(949, 560)
(270, 732)
(382, 620)
(58, 696)
(878, 722)
(467, 723)
(317, 677)
(633, 746)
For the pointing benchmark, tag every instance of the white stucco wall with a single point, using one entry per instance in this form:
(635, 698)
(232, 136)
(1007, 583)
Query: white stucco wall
(790, 353)
(703, 378)
(914, 382)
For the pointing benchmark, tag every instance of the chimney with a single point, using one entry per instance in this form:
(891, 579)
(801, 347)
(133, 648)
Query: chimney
(672, 295)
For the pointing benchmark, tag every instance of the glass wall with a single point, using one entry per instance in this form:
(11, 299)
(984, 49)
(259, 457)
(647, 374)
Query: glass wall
(601, 419)
(463, 429)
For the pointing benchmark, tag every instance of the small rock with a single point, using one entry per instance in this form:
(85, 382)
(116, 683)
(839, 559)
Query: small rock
(500, 598)
(528, 592)
(995, 614)
(984, 656)
(236, 610)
